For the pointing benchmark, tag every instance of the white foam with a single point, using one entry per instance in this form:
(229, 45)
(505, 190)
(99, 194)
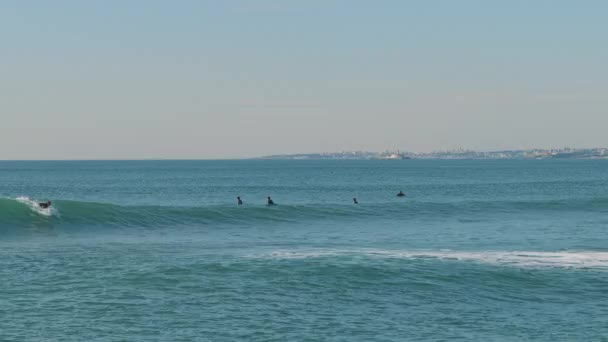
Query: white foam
(566, 259)
(33, 205)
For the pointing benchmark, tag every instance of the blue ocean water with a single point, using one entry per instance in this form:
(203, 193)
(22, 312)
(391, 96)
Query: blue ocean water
(159, 251)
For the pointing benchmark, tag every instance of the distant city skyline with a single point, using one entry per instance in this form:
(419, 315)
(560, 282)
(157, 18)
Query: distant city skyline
(241, 79)
(564, 153)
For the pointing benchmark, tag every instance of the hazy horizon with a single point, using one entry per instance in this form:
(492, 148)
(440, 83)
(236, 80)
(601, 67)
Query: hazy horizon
(215, 80)
(302, 153)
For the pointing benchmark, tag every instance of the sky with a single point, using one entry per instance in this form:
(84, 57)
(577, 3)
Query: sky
(236, 79)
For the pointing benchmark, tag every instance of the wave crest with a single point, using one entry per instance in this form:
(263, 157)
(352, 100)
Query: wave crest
(25, 211)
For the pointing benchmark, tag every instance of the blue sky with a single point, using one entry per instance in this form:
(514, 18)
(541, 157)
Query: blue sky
(230, 79)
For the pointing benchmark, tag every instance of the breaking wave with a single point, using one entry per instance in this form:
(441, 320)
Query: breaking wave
(532, 259)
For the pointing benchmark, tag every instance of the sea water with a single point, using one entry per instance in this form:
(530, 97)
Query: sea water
(502, 250)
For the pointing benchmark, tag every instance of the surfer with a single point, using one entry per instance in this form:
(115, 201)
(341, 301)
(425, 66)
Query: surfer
(238, 199)
(355, 200)
(400, 194)
(45, 205)
(270, 201)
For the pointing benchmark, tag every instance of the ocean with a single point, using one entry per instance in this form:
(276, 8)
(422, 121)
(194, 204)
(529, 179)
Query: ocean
(478, 250)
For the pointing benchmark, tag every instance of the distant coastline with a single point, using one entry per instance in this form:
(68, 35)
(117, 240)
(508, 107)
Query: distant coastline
(564, 153)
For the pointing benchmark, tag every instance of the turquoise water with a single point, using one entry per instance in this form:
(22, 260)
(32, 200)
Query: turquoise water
(159, 251)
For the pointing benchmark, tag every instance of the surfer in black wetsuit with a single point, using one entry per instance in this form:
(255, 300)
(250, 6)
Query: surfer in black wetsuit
(238, 199)
(45, 205)
(400, 194)
(270, 201)
(355, 200)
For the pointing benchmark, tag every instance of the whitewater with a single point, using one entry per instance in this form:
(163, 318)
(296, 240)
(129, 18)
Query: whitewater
(160, 251)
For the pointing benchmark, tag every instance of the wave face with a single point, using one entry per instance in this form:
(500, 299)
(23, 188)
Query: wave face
(25, 211)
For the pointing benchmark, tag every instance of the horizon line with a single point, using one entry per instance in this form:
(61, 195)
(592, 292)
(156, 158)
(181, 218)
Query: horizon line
(264, 157)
